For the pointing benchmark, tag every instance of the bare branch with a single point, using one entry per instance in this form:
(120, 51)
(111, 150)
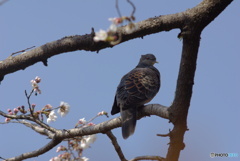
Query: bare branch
(164, 135)
(85, 42)
(148, 158)
(36, 128)
(154, 109)
(44, 149)
(28, 100)
(2, 158)
(204, 13)
(116, 145)
(118, 10)
(133, 6)
(22, 50)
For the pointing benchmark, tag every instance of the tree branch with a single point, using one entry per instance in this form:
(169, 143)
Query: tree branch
(148, 158)
(151, 109)
(85, 42)
(44, 149)
(204, 13)
(59, 135)
(36, 128)
(30, 118)
(116, 146)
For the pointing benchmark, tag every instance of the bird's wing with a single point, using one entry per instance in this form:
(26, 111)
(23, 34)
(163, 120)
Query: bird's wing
(138, 87)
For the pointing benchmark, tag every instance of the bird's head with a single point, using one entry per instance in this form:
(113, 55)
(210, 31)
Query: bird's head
(147, 60)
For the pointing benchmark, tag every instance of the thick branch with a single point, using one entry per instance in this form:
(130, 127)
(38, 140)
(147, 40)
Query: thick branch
(113, 123)
(179, 109)
(204, 13)
(85, 42)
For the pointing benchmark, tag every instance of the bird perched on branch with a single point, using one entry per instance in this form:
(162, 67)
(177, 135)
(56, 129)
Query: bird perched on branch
(136, 88)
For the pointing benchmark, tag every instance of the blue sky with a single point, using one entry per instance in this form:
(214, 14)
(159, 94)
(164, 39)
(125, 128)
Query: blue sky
(88, 81)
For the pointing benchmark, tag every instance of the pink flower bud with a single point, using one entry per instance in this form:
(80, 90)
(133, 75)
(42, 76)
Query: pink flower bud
(7, 119)
(90, 124)
(15, 110)
(48, 106)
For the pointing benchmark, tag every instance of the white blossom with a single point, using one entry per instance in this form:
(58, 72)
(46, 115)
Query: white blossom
(116, 20)
(84, 159)
(113, 27)
(87, 140)
(100, 36)
(63, 108)
(55, 159)
(51, 117)
(82, 121)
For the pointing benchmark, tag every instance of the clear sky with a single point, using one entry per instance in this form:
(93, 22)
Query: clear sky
(88, 81)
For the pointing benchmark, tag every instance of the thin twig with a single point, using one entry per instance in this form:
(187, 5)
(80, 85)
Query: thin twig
(2, 158)
(22, 50)
(70, 150)
(134, 8)
(118, 10)
(116, 145)
(30, 118)
(28, 100)
(165, 135)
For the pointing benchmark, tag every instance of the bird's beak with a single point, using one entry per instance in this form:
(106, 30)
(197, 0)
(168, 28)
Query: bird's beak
(156, 62)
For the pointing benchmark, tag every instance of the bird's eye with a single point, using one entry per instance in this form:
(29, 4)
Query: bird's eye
(147, 58)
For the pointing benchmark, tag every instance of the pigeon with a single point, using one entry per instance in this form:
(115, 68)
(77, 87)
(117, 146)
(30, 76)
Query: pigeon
(136, 88)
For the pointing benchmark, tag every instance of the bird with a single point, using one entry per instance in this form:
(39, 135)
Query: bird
(136, 88)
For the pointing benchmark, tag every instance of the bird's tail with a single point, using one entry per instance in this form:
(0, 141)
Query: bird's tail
(128, 121)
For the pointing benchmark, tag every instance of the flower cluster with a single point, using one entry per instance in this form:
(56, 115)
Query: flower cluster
(66, 157)
(48, 110)
(35, 85)
(77, 144)
(111, 34)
